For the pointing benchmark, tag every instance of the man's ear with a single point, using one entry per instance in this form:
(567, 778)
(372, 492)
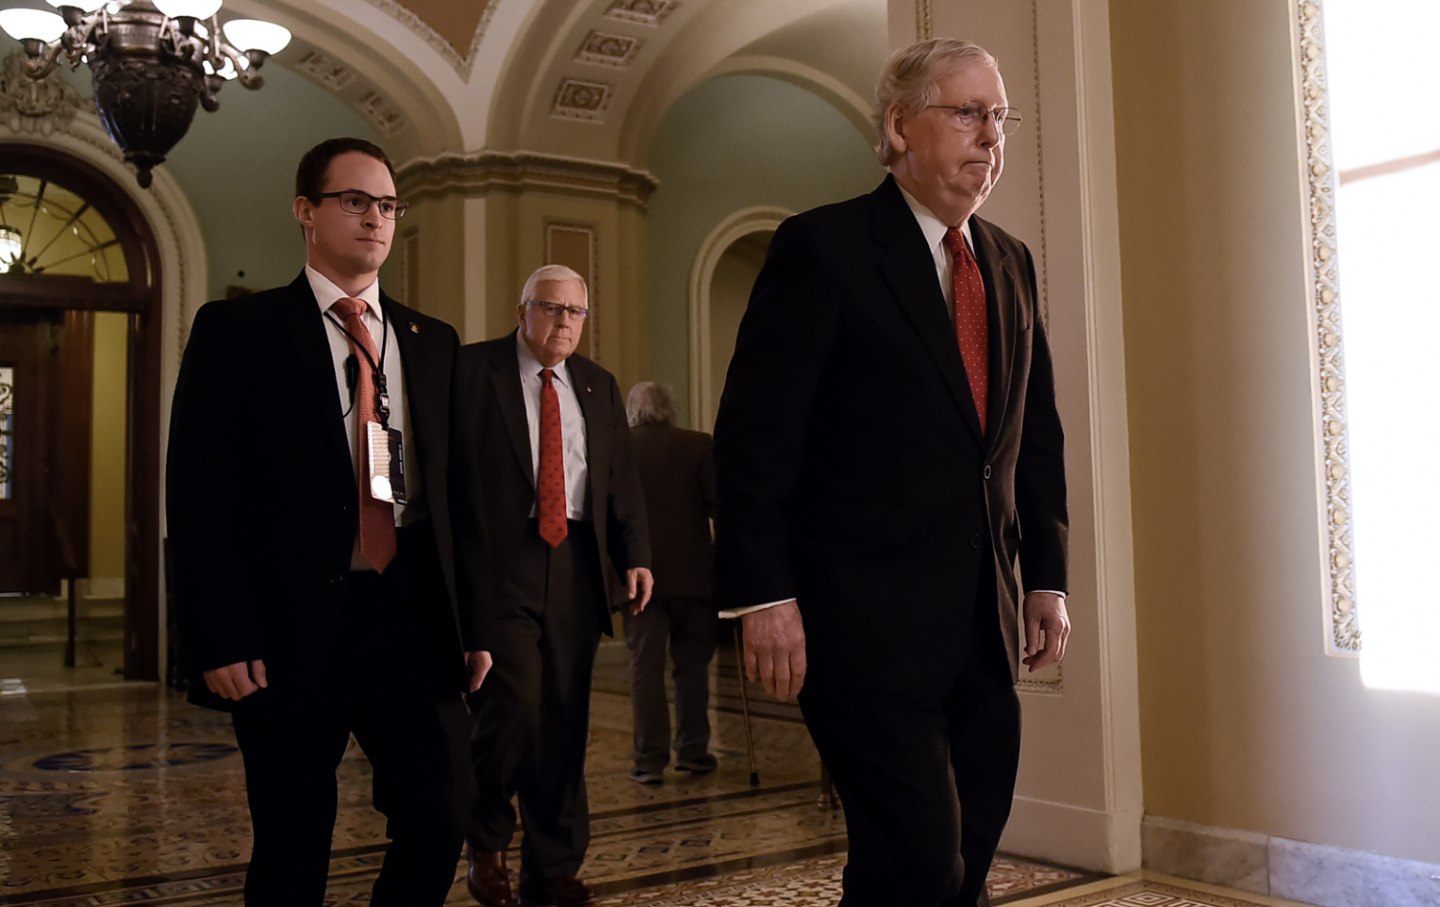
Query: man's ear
(895, 122)
(304, 211)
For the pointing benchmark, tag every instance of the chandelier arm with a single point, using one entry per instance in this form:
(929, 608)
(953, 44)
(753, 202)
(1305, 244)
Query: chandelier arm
(40, 58)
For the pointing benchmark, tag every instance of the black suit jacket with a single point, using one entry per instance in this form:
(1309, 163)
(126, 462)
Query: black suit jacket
(260, 483)
(853, 474)
(493, 484)
(677, 470)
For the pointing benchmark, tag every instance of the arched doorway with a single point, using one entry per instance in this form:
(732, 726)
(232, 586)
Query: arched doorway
(720, 283)
(81, 262)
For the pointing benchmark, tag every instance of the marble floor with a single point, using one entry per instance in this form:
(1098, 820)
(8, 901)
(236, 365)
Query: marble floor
(121, 793)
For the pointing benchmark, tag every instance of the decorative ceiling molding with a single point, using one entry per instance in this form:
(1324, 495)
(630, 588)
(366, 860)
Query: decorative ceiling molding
(641, 12)
(609, 49)
(383, 115)
(324, 69)
(581, 99)
(421, 28)
(28, 105)
(491, 171)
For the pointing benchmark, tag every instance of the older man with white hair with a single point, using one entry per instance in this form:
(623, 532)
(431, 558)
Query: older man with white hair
(887, 447)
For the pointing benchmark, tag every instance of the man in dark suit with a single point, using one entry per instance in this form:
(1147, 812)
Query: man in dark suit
(887, 444)
(550, 533)
(314, 595)
(677, 472)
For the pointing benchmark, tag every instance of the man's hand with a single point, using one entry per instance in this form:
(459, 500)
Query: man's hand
(479, 663)
(236, 681)
(1047, 627)
(638, 585)
(775, 649)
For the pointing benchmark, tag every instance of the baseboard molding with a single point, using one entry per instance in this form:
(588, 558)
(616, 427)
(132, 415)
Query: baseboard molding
(1317, 874)
(1073, 836)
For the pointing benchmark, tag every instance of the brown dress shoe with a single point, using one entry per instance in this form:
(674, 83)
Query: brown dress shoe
(562, 891)
(488, 880)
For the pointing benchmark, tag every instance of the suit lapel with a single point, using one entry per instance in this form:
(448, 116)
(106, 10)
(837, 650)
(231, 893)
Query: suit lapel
(506, 380)
(415, 365)
(909, 271)
(997, 269)
(306, 327)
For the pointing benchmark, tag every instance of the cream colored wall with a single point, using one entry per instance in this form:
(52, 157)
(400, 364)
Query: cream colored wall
(1245, 722)
(107, 454)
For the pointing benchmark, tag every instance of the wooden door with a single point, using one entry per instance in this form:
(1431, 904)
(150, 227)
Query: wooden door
(29, 344)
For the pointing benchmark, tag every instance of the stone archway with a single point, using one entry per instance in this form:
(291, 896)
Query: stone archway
(171, 257)
(707, 340)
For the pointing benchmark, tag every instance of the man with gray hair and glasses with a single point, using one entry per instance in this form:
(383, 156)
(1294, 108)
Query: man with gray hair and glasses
(887, 447)
(550, 534)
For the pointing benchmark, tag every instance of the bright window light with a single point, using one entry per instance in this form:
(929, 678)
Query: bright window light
(1386, 147)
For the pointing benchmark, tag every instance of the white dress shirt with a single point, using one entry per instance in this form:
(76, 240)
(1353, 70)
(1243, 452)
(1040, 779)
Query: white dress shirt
(572, 428)
(326, 293)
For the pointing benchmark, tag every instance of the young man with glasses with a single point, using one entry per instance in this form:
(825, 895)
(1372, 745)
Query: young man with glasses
(310, 538)
(550, 534)
(887, 445)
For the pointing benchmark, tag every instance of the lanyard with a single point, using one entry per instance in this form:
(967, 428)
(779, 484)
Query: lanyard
(377, 369)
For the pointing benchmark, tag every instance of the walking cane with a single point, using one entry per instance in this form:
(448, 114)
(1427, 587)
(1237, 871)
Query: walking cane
(745, 707)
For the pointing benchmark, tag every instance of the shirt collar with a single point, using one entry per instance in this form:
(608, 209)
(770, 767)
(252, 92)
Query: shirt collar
(933, 227)
(326, 292)
(530, 366)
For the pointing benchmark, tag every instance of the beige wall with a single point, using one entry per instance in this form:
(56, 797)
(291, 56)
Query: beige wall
(107, 455)
(1245, 722)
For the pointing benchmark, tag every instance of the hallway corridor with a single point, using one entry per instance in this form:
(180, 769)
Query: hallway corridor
(121, 793)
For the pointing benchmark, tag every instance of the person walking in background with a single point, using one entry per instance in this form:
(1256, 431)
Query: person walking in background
(677, 472)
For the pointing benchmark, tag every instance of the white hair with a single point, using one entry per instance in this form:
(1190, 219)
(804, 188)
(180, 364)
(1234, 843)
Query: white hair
(552, 272)
(911, 79)
(650, 403)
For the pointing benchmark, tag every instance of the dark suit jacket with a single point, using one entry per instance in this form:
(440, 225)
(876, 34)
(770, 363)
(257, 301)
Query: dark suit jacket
(677, 470)
(853, 474)
(493, 483)
(260, 485)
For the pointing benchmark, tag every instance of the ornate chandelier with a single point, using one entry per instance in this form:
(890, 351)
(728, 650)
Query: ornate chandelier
(151, 62)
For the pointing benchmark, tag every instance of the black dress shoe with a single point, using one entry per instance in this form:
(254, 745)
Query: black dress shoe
(562, 891)
(487, 880)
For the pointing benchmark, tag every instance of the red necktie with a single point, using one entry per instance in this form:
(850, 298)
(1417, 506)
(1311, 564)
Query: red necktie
(550, 489)
(972, 329)
(377, 518)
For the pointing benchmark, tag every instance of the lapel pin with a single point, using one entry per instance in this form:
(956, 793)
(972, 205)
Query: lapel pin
(414, 328)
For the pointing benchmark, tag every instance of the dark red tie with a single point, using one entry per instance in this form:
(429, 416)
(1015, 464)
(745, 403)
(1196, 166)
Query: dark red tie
(377, 518)
(550, 487)
(972, 329)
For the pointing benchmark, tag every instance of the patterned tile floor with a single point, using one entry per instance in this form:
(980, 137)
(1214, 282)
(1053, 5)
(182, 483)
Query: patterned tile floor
(123, 794)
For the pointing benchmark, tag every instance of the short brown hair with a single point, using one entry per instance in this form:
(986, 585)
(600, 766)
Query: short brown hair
(310, 175)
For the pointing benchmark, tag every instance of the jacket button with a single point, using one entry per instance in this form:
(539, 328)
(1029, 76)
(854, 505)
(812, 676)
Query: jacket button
(975, 541)
(337, 579)
(987, 470)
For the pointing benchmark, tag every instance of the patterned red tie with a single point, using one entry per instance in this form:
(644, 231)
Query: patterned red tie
(377, 518)
(550, 489)
(972, 329)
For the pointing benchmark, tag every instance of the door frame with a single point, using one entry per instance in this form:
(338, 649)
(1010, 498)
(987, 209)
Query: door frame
(141, 299)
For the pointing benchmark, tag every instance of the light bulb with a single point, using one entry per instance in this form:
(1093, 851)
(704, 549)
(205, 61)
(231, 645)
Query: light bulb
(196, 9)
(255, 34)
(37, 24)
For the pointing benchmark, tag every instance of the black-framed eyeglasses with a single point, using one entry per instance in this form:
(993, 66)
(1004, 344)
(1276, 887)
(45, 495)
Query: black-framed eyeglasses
(969, 117)
(556, 309)
(353, 201)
